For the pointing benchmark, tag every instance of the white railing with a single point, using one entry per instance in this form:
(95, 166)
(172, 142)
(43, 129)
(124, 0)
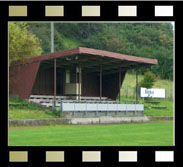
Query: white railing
(66, 107)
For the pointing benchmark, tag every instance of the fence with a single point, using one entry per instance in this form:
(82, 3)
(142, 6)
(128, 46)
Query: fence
(101, 109)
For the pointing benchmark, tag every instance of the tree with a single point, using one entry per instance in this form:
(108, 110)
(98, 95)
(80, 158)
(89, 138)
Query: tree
(22, 42)
(148, 81)
(150, 40)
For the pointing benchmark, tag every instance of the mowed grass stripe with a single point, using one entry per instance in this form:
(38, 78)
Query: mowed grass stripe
(141, 134)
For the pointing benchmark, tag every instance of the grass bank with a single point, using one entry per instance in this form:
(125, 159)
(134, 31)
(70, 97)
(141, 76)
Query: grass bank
(22, 109)
(33, 111)
(163, 108)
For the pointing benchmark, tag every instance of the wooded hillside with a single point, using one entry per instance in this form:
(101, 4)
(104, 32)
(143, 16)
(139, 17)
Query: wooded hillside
(153, 40)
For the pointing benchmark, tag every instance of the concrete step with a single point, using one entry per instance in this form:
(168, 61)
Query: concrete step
(47, 101)
(65, 97)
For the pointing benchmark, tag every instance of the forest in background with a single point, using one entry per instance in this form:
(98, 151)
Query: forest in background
(151, 40)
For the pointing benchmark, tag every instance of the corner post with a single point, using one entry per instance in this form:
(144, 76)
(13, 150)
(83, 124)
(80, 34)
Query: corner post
(119, 84)
(100, 83)
(79, 89)
(55, 82)
(136, 85)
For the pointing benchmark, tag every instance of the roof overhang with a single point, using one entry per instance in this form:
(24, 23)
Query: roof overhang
(91, 60)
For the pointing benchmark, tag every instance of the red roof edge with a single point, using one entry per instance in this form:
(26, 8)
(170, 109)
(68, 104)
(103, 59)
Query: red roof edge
(83, 50)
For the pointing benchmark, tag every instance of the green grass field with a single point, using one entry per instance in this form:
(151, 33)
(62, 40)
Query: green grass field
(140, 134)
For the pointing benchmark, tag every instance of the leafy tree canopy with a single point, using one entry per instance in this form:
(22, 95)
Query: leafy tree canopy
(151, 40)
(22, 42)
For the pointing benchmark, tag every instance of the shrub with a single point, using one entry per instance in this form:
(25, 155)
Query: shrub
(148, 80)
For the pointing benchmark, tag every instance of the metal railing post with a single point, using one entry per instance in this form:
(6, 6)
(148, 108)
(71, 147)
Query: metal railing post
(135, 108)
(126, 108)
(52, 105)
(61, 107)
(86, 108)
(97, 109)
(74, 109)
